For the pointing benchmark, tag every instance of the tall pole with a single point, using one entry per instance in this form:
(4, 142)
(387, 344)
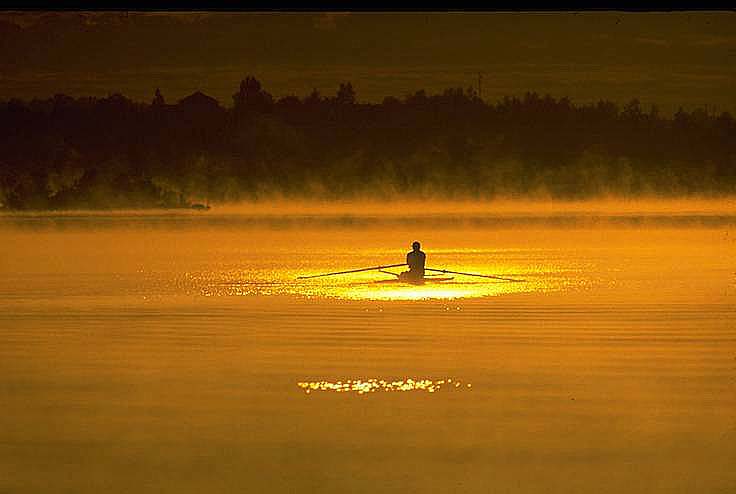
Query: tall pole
(480, 85)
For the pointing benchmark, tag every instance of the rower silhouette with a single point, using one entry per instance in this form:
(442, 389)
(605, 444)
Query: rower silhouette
(415, 260)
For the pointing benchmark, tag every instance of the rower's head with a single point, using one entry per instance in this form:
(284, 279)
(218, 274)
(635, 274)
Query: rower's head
(415, 246)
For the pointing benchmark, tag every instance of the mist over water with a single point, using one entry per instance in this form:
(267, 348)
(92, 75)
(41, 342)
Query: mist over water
(282, 213)
(172, 351)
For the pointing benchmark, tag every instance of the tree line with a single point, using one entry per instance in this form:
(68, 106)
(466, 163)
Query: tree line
(112, 152)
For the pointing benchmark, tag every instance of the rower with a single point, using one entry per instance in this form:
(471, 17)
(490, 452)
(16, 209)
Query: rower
(415, 260)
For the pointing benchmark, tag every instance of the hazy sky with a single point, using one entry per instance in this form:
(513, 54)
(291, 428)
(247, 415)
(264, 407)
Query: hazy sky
(670, 59)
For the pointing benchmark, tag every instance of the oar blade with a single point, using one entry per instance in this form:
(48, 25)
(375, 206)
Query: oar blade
(373, 268)
(475, 274)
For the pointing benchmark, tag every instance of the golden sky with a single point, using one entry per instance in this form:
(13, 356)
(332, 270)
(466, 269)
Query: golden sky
(669, 59)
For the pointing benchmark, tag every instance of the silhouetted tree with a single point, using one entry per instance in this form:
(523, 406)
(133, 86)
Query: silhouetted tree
(346, 94)
(158, 99)
(251, 97)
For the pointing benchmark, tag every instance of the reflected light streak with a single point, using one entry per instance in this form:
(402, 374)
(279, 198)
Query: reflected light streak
(360, 386)
(542, 276)
(426, 292)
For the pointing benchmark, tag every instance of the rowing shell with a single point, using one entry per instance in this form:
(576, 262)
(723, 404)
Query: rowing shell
(405, 277)
(428, 279)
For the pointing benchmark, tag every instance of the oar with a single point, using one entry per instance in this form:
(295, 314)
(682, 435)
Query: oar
(472, 274)
(374, 268)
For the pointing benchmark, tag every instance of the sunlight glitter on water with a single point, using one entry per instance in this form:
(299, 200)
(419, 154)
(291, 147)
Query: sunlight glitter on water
(442, 291)
(352, 289)
(537, 277)
(361, 386)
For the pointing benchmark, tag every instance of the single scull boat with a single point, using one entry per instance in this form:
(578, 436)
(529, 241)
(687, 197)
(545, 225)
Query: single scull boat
(405, 278)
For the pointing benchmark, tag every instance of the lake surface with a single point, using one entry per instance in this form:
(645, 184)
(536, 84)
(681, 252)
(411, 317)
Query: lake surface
(176, 352)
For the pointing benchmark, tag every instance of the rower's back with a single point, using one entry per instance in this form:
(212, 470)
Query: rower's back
(415, 260)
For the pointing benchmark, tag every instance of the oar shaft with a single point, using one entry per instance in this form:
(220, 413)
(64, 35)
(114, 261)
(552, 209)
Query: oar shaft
(374, 268)
(472, 274)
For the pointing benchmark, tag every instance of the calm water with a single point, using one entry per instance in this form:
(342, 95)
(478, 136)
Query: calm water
(177, 353)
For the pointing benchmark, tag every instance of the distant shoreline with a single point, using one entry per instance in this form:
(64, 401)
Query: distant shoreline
(112, 152)
(416, 206)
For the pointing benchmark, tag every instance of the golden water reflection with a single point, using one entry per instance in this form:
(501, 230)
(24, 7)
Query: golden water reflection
(456, 288)
(269, 273)
(376, 286)
(361, 386)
